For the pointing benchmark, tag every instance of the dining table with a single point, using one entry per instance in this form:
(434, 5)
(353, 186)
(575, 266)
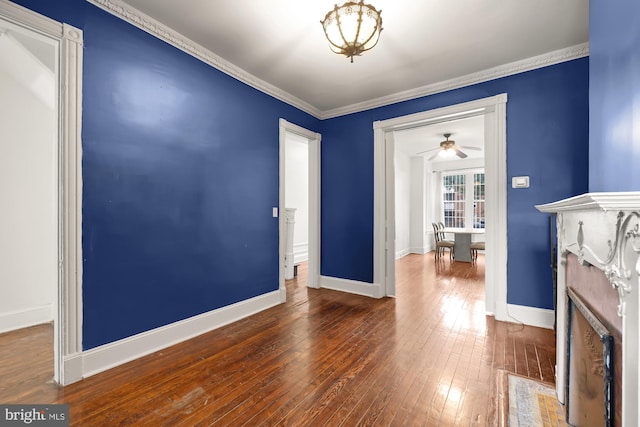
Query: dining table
(462, 241)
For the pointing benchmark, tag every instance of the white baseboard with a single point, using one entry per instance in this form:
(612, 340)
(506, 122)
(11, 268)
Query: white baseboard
(412, 250)
(420, 251)
(373, 290)
(72, 369)
(402, 253)
(26, 317)
(430, 241)
(116, 353)
(300, 258)
(532, 316)
(300, 253)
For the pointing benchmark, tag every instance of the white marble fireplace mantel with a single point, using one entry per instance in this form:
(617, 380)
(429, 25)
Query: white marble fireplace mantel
(603, 230)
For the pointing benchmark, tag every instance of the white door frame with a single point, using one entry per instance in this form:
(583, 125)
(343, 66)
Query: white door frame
(68, 315)
(313, 279)
(494, 111)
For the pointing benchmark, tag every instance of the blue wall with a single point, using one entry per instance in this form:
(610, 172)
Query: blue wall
(614, 131)
(180, 171)
(547, 136)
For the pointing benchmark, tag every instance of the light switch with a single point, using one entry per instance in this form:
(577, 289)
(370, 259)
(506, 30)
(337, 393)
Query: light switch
(275, 212)
(520, 182)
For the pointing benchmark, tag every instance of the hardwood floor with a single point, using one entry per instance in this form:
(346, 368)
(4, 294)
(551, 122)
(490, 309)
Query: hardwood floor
(428, 357)
(26, 364)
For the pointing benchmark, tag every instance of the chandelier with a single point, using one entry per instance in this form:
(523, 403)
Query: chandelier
(352, 28)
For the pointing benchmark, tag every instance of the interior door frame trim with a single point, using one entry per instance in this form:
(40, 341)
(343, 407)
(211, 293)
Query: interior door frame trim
(313, 272)
(494, 110)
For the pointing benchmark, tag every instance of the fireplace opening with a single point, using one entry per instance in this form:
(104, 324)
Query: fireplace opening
(589, 360)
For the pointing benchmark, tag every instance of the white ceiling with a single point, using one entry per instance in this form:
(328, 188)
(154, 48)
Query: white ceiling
(467, 132)
(424, 42)
(31, 63)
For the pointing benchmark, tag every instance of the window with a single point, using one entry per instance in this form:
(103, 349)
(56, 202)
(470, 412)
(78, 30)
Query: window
(478, 200)
(453, 200)
(463, 200)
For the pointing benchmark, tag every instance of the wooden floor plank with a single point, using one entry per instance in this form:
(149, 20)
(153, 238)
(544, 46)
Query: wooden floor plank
(428, 357)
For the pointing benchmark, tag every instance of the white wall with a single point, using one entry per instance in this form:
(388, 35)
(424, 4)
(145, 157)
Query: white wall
(403, 203)
(432, 204)
(28, 188)
(419, 237)
(411, 183)
(297, 192)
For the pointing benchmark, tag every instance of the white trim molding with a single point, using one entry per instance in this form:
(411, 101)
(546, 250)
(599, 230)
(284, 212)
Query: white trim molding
(603, 230)
(373, 290)
(421, 251)
(403, 253)
(532, 316)
(540, 61)
(110, 355)
(68, 316)
(139, 19)
(313, 250)
(21, 15)
(24, 318)
(300, 253)
(70, 193)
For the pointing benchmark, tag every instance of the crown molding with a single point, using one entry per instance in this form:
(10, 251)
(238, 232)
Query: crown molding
(540, 61)
(161, 31)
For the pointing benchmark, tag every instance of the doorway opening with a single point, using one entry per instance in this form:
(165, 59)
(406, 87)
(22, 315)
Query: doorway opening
(55, 47)
(436, 186)
(28, 187)
(493, 113)
(28, 179)
(299, 231)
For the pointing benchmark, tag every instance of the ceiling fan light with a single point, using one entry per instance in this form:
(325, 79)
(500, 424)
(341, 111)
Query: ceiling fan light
(447, 153)
(352, 28)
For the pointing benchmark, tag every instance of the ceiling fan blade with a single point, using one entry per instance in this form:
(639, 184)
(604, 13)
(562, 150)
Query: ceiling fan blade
(434, 156)
(459, 153)
(471, 148)
(426, 151)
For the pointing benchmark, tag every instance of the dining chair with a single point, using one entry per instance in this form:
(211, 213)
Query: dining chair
(441, 226)
(441, 242)
(474, 248)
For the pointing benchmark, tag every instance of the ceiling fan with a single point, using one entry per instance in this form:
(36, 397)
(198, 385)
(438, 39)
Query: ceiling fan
(448, 148)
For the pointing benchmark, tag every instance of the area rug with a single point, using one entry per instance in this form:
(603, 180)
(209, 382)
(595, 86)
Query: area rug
(529, 403)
